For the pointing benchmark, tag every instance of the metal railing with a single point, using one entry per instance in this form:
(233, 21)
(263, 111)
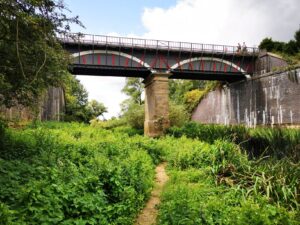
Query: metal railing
(102, 40)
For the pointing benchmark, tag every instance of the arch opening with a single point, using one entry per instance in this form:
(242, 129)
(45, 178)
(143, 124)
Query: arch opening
(202, 63)
(108, 58)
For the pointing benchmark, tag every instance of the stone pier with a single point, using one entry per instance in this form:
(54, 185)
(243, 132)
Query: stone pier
(156, 104)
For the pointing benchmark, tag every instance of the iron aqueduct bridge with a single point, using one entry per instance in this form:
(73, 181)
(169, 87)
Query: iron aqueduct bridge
(157, 61)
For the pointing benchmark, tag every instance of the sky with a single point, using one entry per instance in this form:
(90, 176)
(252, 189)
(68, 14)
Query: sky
(225, 22)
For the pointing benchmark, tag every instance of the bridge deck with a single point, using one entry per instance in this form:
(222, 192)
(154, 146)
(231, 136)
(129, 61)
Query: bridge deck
(126, 42)
(101, 55)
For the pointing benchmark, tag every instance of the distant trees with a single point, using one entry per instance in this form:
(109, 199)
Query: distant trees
(134, 88)
(31, 59)
(78, 108)
(133, 108)
(290, 48)
(95, 109)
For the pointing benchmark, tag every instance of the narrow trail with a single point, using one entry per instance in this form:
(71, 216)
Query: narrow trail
(149, 213)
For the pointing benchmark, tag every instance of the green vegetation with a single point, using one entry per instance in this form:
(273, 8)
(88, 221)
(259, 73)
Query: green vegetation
(290, 50)
(31, 57)
(217, 184)
(258, 142)
(78, 108)
(71, 173)
(184, 97)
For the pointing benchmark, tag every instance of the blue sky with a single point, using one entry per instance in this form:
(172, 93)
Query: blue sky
(203, 21)
(113, 16)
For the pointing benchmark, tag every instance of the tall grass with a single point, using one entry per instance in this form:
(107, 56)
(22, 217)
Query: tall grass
(218, 184)
(58, 173)
(258, 142)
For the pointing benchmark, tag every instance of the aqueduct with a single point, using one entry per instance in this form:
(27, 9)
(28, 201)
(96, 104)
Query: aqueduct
(156, 61)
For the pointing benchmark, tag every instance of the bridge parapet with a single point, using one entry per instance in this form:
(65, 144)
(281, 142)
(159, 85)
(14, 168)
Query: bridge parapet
(128, 42)
(101, 55)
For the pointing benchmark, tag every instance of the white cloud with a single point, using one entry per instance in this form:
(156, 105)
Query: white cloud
(205, 21)
(106, 90)
(223, 21)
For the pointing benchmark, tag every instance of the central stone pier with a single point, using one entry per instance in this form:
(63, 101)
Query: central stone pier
(156, 104)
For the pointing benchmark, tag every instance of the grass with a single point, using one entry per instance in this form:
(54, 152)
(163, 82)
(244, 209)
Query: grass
(217, 184)
(257, 142)
(70, 173)
(73, 174)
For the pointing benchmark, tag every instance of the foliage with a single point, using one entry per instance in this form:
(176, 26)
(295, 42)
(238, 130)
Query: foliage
(90, 175)
(178, 114)
(178, 88)
(95, 109)
(84, 175)
(108, 124)
(31, 57)
(76, 100)
(77, 106)
(192, 99)
(133, 107)
(217, 184)
(297, 38)
(257, 142)
(134, 88)
(135, 116)
(192, 198)
(290, 48)
(270, 45)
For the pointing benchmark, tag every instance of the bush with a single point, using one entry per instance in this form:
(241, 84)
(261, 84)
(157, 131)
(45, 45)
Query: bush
(192, 99)
(135, 116)
(177, 114)
(108, 124)
(291, 48)
(257, 142)
(271, 176)
(210, 133)
(84, 175)
(185, 201)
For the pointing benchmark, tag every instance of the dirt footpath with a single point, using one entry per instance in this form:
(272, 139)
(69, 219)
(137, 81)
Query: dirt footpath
(149, 213)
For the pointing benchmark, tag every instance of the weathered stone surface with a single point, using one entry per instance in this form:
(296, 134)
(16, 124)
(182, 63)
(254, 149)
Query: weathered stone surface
(52, 106)
(270, 99)
(156, 104)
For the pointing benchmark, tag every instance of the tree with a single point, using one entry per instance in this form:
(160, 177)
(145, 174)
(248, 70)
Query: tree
(76, 98)
(78, 108)
(291, 48)
(178, 88)
(31, 58)
(267, 44)
(95, 109)
(297, 38)
(135, 116)
(134, 88)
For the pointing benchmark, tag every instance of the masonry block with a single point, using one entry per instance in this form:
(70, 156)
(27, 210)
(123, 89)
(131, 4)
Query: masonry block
(156, 104)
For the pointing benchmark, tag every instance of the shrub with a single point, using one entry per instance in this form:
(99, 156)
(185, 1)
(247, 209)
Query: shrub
(135, 116)
(108, 124)
(84, 175)
(257, 142)
(177, 114)
(291, 48)
(192, 99)
(187, 202)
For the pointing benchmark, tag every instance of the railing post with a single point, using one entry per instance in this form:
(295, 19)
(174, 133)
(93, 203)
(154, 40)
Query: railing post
(93, 49)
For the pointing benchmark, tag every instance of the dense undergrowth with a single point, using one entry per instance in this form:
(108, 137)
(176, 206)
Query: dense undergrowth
(257, 142)
(68, 173)
(57, 173)
(214, 181)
